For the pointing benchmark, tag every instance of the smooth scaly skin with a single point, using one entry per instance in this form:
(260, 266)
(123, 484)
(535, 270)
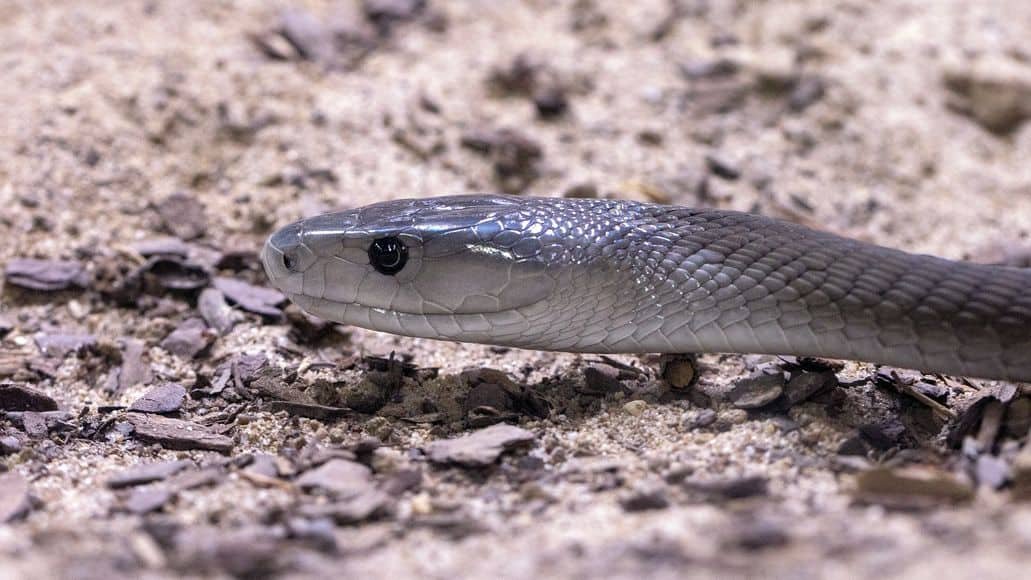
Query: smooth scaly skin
(624, 277)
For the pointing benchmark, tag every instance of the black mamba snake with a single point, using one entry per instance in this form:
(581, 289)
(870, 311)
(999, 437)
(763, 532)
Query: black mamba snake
(604, 276)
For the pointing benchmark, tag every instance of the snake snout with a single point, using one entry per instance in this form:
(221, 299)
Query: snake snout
(285, 258)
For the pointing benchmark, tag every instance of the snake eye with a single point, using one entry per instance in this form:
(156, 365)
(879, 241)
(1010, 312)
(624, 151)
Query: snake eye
(388, 255)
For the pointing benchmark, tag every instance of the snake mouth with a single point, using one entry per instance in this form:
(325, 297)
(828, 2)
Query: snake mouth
(465, 327)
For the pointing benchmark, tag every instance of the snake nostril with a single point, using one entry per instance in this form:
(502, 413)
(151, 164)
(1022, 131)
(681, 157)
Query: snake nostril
(289, 261)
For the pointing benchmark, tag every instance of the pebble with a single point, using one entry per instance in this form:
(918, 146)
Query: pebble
(721, 166)
(994, 93)
(698, 419)
(584, 190)
(182, 215)
(645, 499)
(635, 408)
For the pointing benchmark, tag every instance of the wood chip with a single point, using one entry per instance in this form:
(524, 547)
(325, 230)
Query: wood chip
(189, 339)
(45, 275)
(213, 308)
(256, 299)
(15, 397)
(176, 433)
(480, 448)
(338, 477)
(910, 487)
(166, 398)
(147, 473)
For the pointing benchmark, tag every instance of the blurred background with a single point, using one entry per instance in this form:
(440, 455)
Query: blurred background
(148, 147)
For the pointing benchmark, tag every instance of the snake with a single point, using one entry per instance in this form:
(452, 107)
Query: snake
(621, 277)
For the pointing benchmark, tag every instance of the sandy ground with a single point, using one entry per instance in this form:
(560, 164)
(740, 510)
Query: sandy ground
(899, 122)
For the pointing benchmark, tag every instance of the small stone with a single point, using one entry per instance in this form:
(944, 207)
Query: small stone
(480, 448)
(853, 446)
(15, 502)
(9, 444)
(176, 433)
(147, 473)
(403, 480)
(760, 535)
(709, 69)
(45, 275)
(732, 417)
(995, 93)
(264, 465)
(182, 215)
(698, 419)
(166, 398)
(729, 488)
(386, 13)
(15, 397)
(991, 471)
(721, 166)
(59, 346)
(256, 299)
(551, 101)
(635, 408)
(884, 435)
(807, 91)
(189, 339)
(757, 390)
(338, 477)
(654, 498)
(146, 500)
(585, 190)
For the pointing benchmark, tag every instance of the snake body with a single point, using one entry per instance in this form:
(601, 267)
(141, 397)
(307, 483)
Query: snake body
(608, 276)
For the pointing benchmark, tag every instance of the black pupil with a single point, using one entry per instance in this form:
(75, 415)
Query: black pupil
(388, 255)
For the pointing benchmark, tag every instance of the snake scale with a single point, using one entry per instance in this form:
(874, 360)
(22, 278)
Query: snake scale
(610, 276)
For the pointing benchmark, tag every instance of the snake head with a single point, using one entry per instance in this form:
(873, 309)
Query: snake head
(410, 261)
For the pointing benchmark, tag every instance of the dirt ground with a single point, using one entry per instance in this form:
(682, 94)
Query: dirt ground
(151, 146)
